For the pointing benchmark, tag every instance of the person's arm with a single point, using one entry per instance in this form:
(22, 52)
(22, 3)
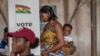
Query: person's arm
(60, 44)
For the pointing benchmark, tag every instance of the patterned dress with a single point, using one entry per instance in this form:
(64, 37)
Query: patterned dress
(48, 40)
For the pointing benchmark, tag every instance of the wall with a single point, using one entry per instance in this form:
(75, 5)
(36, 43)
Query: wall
(3, 24)
(82, 28)
(3, 9)
(98, 27)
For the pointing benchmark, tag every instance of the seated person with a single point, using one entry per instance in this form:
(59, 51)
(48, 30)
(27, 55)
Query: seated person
(23, 40)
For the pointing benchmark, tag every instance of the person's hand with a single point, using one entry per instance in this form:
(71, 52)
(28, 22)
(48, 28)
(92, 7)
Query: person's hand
(13, 53)
(44, 53)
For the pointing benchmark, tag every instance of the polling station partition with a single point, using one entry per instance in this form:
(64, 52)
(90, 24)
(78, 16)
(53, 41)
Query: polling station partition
(24, 13)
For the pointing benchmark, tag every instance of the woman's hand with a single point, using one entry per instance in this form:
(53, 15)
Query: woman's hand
(44, 53)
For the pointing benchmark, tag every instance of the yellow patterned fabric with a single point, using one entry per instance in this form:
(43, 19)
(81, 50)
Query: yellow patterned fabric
(66, 50)
(48, 37)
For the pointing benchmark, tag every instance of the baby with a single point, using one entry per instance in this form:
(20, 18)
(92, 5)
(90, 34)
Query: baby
(69, 47)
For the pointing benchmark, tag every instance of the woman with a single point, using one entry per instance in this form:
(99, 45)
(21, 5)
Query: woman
(22, 42)
(52, 36)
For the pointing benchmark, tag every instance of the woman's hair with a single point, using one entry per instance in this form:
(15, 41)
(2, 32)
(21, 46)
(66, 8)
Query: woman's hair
(33, 45)
(36, 44)
(48, 9)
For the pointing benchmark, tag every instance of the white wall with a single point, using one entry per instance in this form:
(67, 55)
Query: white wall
(31, 18)
(98, 27)
(81, 32)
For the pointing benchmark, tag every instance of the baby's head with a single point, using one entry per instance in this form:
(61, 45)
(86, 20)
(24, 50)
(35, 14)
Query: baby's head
(67, 28)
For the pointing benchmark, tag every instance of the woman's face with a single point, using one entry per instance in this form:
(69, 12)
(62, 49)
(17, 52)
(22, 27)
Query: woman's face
(18, 45)
(44, 17)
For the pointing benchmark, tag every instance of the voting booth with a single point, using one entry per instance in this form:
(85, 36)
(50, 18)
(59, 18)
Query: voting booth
(24, 13)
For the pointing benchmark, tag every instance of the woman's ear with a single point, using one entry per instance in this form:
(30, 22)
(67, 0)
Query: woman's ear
(28, 44)
(48, 14)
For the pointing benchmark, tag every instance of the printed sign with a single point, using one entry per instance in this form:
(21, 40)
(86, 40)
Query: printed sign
(24, 13)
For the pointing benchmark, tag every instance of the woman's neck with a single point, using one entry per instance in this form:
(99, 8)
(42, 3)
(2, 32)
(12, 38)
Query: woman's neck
(25, 53)
(52, 21)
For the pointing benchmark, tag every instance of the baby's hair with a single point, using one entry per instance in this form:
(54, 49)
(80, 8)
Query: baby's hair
(68, 25)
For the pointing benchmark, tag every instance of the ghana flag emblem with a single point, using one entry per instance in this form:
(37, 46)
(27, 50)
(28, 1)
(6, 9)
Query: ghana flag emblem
(22, 9)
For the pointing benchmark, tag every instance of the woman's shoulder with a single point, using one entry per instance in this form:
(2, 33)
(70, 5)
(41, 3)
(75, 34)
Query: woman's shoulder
(57, 23)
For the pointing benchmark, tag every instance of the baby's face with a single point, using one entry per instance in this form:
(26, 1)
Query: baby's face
(67, 31)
